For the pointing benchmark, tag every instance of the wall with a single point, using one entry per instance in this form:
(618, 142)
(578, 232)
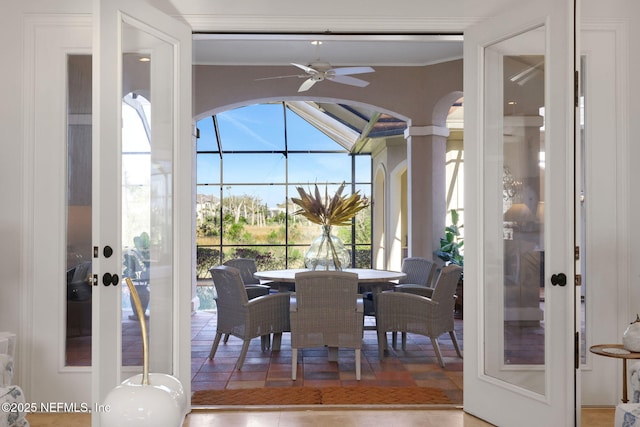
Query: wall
(409, 92)
(625, 13)
(392, 159)
(11, 189)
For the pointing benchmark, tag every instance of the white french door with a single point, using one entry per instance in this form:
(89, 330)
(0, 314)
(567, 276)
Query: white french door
(520, 327)
(142, 203)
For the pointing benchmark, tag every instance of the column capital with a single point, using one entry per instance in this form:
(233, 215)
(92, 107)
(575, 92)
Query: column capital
(426, 131)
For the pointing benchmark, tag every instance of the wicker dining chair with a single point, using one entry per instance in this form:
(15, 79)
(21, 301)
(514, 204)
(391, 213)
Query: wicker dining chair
(418, 281)
(244, 318)
(418, 271)
(247, 267)
(326, 312)
(405, 312)
(418, 277)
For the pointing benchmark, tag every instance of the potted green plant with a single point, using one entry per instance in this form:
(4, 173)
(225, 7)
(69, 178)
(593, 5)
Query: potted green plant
(451, 243)
(450, 247)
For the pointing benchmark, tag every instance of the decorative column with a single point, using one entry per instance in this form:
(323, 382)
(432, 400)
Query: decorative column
(426, 188)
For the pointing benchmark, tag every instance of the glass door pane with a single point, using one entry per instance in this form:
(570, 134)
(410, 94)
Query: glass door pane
(147, 194)
(514, 209)
(78, 267)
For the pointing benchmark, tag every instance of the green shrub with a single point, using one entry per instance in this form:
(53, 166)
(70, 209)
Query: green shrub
(205, 259)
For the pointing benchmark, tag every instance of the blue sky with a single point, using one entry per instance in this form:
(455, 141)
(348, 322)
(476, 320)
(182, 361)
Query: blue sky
(261, 127)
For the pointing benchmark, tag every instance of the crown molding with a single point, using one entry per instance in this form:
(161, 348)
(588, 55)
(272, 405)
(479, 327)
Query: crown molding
(327, 23)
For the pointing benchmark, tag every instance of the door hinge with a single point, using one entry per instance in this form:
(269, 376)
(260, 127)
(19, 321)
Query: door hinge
(576, 253)
(578, 280)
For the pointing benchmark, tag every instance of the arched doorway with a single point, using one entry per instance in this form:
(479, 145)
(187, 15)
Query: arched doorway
(233, 379)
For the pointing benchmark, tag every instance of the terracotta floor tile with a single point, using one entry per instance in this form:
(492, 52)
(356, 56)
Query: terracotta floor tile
(417, 365)
(244, 384)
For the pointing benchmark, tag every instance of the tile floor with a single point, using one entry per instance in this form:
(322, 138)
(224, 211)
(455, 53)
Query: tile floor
(415, 366)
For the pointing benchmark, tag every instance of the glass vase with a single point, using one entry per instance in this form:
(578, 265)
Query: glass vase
(327, 252)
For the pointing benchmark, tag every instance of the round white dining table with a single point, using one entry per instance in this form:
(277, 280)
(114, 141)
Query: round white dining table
(364, 275)
(369, 279)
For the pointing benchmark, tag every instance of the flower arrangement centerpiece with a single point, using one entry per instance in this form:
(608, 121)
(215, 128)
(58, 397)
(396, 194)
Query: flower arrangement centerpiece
(327, 251)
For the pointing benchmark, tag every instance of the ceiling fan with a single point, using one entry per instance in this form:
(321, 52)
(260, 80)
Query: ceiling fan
(320, 71)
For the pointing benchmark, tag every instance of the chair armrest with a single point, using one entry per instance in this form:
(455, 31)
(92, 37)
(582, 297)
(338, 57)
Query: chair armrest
(275, 299)
(359, 304)
(411, 298)
(414, 289)
(269, 311)
(254, 291)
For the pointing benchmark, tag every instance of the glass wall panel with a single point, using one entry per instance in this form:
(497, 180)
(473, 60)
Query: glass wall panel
(257, 127)
(208, 168)
(250, 211)
(363, 168)
(266, 257)
(363, 256)
(362, 223)
(319, 168)
(207, 140)
(303, 136)
(253, 168)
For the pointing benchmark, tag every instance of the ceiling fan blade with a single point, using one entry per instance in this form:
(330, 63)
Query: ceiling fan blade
(306, 85)
(343, 71)
(281, 77)
(348, 81)
(305, 68)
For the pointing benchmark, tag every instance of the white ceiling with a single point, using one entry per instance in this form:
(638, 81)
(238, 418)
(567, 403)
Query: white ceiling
(339, 50)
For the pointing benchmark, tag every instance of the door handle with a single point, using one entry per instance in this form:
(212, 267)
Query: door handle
(110, 279)
(559, 279)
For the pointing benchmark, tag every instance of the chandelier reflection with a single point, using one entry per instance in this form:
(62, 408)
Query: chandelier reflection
(510, 185)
